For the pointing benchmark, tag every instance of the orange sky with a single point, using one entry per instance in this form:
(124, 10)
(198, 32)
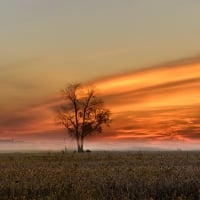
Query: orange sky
(112, 45)
(153, 106)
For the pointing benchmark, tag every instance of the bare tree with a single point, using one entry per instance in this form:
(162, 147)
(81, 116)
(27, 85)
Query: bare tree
(82, 114)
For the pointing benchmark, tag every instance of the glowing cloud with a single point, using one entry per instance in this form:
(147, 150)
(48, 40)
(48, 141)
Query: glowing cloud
(154, 105)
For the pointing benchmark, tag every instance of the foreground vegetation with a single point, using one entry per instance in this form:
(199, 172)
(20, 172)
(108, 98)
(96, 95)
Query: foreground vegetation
(99, 175)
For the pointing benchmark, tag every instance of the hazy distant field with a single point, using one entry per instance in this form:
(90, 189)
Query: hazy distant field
(119, 176)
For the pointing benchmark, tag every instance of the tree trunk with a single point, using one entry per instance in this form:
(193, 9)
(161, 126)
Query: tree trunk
(80, 146)
(80, 149)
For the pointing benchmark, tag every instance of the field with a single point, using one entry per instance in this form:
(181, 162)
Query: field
(100, 175)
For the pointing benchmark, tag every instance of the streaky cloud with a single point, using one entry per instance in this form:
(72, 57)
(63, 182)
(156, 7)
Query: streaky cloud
(158, 105)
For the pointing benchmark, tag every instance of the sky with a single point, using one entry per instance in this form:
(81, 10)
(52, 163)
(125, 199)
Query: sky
(142, 56)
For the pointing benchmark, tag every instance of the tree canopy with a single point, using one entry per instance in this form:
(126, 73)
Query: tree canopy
(82, 114)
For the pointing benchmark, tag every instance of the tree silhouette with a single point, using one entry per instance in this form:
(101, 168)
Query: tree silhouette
(82, 114)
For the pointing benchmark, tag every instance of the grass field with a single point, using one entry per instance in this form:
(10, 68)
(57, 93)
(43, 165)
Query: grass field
(100, 175)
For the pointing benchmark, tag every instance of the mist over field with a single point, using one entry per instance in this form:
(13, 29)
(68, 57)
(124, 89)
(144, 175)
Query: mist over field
(70, 145)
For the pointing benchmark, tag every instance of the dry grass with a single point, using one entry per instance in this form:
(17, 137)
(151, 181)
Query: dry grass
(123, 176)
